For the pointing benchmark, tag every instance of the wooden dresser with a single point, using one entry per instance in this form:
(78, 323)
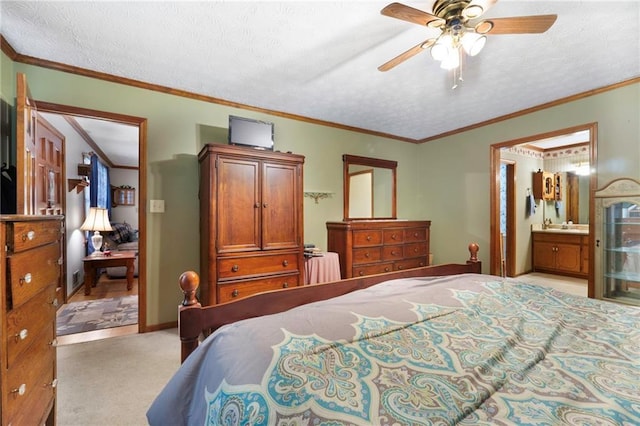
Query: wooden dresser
(30, 273)
(368, 247)
(251, 229)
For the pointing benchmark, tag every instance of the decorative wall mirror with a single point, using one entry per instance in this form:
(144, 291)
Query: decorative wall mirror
(369, 188)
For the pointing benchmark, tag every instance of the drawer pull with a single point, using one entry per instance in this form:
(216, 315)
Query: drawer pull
(26, 279)
(394, 253)
(368, 237)
(22, 335)
(53, 384)
(20, 390)
(235, 293)
(361, 273)
(235, 268)
(393, 237)
(366, 255)
(53, 343)
(415, 235)
(415, 250)
(31, 235)
(285, 285)
(399, 266)
(285, 263)
(54, 303)
(386, 269)
(256, 206)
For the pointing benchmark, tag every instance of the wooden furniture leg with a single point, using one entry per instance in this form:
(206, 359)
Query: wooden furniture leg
(89, 278)
(130, 274)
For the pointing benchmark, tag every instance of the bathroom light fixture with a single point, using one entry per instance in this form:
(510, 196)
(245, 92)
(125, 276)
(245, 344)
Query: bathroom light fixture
(97, 220)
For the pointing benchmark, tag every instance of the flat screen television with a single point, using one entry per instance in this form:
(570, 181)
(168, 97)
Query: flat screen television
(251, 133)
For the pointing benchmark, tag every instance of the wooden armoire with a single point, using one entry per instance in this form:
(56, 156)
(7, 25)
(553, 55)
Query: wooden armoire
(251, 228)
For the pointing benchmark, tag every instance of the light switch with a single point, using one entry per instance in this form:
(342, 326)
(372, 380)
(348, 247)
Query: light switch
(156, 206)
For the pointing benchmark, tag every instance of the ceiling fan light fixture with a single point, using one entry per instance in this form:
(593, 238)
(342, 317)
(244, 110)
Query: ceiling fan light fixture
(451, 61)
(472, 43)
(442, 47)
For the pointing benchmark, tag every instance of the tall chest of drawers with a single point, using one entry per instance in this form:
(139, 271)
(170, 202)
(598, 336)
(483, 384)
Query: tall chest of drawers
(251, 227)
(368, 247)
(31, 269)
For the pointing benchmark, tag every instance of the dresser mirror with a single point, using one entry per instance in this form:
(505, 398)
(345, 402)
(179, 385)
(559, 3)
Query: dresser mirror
(369, 188)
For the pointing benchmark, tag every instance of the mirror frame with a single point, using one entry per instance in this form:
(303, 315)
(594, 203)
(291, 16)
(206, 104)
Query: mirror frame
(372, 162)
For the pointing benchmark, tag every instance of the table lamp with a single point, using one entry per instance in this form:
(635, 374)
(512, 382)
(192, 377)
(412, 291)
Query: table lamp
(97, 220)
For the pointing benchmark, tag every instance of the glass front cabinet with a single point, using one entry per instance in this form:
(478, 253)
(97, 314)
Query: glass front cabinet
(617, 239)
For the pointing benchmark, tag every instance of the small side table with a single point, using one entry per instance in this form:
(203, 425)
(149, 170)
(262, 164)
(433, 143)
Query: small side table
(322, 269)
(93, 262)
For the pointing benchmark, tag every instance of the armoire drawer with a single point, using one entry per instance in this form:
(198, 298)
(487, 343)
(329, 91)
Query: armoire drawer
(367, 255)
(31, 382)
(238, 267)
(367, 238)
(25, 323)
(411, 263)
(30, 234)
(239, 289)
(378, 268)
(415, 250)
(32, 271)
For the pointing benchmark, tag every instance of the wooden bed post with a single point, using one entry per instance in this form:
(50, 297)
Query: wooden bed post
(187, 311)
(473, 251)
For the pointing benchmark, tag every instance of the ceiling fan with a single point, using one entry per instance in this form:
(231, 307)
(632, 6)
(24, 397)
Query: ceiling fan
(461, 30)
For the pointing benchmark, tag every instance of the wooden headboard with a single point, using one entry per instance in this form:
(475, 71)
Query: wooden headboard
(195, 320)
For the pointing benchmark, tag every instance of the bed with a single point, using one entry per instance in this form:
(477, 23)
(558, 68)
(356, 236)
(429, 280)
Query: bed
(435, 345)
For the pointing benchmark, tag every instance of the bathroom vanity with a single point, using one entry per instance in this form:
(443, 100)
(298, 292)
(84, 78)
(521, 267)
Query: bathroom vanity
(561, 251)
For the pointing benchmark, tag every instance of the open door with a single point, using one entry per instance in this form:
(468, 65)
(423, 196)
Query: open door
(26, 119)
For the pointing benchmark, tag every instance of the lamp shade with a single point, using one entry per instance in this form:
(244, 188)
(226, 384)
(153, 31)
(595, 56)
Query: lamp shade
(97, 220)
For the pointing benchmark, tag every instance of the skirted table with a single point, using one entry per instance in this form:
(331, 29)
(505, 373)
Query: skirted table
(322, 269)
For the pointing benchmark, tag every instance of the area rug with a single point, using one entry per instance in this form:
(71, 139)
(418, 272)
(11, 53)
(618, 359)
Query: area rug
(79, 317)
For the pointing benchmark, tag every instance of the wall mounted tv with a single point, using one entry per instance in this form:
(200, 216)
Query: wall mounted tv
(252, 133)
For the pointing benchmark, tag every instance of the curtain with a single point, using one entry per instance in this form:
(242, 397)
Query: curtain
(99, 192)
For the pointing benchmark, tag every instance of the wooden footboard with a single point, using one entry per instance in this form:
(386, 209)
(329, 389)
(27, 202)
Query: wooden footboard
(195, 320)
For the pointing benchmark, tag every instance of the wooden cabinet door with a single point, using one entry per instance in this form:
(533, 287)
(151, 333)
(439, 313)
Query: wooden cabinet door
(568, 257)
(238, 208)
(544, 255)
(280, 201)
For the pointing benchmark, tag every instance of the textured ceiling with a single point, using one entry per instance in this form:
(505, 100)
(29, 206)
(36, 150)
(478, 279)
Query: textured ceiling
(319, 59)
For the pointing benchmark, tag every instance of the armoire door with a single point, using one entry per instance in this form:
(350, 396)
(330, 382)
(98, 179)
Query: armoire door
(280, 201)
(238, 204)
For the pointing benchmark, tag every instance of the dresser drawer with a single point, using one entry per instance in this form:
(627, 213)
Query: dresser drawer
(378, 268)
(32, 271)
(30, 382)
(27, 235)
(393, 236)
(367, 255)
(26, 322)
(237, 290)
(238, 267)
(415, 250)
(372, 237)
(411, 263)
(392, 252)
(415, 234)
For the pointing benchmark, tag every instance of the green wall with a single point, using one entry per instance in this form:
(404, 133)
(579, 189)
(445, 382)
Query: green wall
(455, 170)
(175, 135)
(445, 180)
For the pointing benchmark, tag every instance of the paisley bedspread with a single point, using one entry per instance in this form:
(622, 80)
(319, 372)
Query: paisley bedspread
(466, 349)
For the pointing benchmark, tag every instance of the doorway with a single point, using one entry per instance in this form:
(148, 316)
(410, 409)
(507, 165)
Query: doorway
(515, 207)
(75, 115)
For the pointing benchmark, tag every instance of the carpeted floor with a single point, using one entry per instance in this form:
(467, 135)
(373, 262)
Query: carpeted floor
(112, 382)
(79, 317)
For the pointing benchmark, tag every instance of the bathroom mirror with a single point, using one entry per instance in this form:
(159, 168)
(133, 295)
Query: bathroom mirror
(369, 188)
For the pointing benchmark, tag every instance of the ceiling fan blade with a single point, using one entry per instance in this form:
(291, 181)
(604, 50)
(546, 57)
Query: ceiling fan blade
(409, 14)
(406, 55)
(518, 25)
(477, 7)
